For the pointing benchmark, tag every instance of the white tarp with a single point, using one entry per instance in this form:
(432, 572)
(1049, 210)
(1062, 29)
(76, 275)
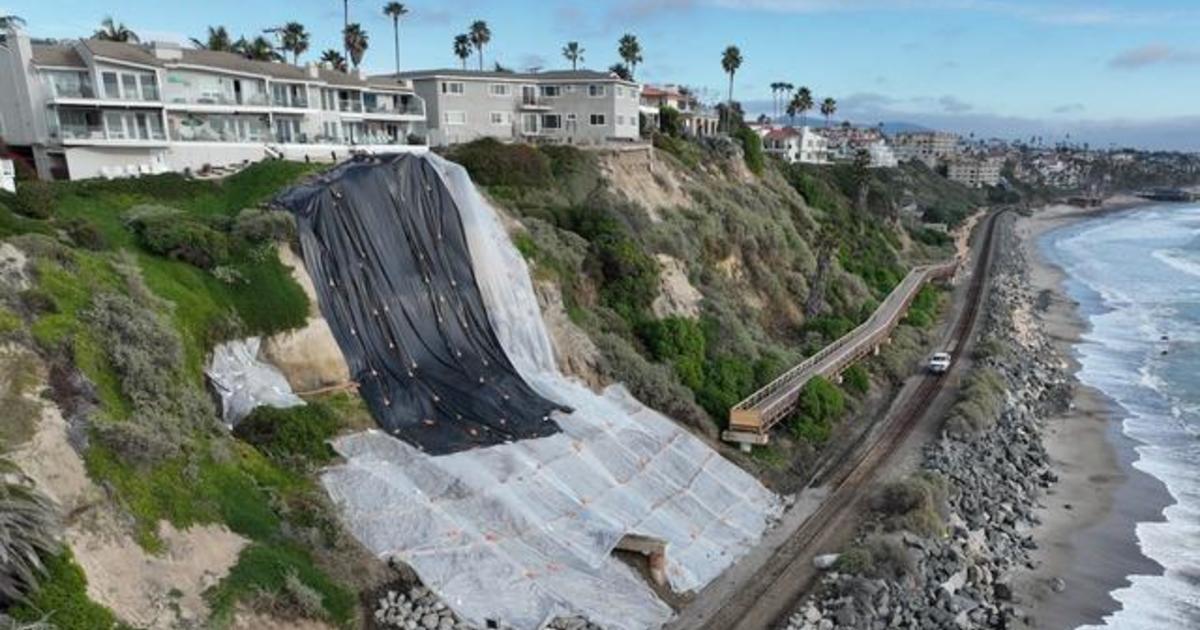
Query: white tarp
(522, 533)
(244, 382)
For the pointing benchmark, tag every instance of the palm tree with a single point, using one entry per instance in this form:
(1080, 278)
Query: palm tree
(828, 109)
(30, 527)
(258, 49)
(11, 21)
(218, 39)
(630, 51)
(462, 48)
(621, 70)
(335, 59)
(804, 102)
(785, 89)
(356, 43)
(480, 35)
(295, 40)
(574, 53)
(775, 87)
(396, 10)
(345, 25)
(794, 107)
(114, 32)
(731, 60)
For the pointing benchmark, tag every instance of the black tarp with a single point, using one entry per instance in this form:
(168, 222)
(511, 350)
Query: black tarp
(384, 243)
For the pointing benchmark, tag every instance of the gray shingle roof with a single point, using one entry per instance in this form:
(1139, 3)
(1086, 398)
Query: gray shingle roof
(57, 55)
(549, 75)
(121, 51)
(237, 63)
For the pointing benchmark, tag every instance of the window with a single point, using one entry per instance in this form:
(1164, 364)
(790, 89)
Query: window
(129, 86)
(595, 91)
(619, 91)
(620, 118)
(501, 118)
(454, 118)
(570, 118)
(112, 87)
(500, 89)
(452, 87)
(552, 121)
(115, 123)
(149, 86)
(597, 120)
(551, 91)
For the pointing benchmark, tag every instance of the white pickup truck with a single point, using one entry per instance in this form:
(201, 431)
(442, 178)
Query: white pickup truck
(939, 362)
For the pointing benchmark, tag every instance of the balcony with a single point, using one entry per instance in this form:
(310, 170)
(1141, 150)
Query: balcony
(532, 101)
(293, 103)
(387, 109)
(352, 105)
(88, 134)
(218, 99)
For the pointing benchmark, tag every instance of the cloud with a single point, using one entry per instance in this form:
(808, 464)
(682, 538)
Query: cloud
(954, 105)
(1070, 108)
(1152, 54)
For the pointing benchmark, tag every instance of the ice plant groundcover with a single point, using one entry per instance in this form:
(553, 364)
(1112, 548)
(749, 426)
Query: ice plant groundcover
(520, 529)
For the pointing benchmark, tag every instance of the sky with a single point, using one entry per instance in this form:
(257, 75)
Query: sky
(1107, 72)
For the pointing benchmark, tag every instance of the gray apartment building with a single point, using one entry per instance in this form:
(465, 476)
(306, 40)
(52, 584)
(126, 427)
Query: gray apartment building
(568, 106)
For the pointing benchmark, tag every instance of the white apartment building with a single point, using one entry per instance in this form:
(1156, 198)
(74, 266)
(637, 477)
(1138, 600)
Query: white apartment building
(568, 106)
(92, 108)
(975, 172)
(930, 147)
(803, 145)
(882, 155)
(8, 176)
(697, 119)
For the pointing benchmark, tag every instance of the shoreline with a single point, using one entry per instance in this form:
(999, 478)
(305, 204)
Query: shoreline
(1087, 539)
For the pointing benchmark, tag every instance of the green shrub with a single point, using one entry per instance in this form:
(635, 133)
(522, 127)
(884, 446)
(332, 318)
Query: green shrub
(29, 530)
(820, 405)
(564, 159)
(257, 226)
(63, 596)
(35, 199)
(275, 570)
(856, 379)
(669, 121)
(189, 241)
(752, 149)
(86, 234)
(980, 402)
(917, 504)
(493, 163)
(10, 323)
(296, 437)
(683, 149)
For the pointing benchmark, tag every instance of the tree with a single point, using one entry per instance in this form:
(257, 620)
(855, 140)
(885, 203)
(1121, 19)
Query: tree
(294, 40)
(862, 177)
(828, 109)
(462, 48)
(804, 102)
(776, 86)
(217, 39)
(731, 60)
(630, 51)
(480, 35)
(356, 43)
(621, 70)
(793, 107)
(396, 10)
(345, 25)
(259, 49)
(335, 59)
(115, 32)
(574, 53)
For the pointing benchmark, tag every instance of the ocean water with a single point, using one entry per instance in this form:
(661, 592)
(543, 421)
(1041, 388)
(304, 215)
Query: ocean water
(1136, 276)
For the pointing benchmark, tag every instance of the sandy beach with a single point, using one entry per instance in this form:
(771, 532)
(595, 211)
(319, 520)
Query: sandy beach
(1087, 541)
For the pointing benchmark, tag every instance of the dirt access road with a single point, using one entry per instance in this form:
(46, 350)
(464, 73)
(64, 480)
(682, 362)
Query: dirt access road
(762, 589)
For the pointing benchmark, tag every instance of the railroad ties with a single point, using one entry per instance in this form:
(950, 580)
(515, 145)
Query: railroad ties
(751, 420)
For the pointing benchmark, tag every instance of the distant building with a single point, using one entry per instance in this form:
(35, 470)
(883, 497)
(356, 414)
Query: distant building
(697, 119)
(930, 147)
(797, 145)
(92, 108)
(8, 176)
(882, 155)
(974, 172)
(567, 106)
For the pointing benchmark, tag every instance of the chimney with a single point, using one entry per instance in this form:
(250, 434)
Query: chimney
(166, 51)
(312, 70)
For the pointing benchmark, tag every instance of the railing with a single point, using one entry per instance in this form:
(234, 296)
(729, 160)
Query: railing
(296, 103)
(350, 105)
(222, 99)
(78, 91)
(775, 400)
(403, 110)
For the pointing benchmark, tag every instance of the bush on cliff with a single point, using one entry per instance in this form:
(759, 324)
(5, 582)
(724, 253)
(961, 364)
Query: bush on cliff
(820, 405)
(493, 163)
(917, 504)
(980, 402)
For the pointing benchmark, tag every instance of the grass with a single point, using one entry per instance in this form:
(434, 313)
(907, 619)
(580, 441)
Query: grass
(18, 375)
(265, 569)
(63, 598)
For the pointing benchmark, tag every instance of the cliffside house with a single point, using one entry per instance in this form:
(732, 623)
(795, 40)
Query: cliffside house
(582, 107)
(698, 120)
(930, 147)
(90, 108)
(796, 144)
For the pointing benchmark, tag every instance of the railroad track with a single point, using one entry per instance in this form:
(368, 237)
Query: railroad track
(771, 595)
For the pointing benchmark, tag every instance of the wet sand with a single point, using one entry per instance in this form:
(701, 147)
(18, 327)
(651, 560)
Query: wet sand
(1088, 535)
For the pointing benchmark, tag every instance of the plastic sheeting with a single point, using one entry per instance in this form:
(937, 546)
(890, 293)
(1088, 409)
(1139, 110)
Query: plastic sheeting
(384, 244)
(243, 382)
(522, 533)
